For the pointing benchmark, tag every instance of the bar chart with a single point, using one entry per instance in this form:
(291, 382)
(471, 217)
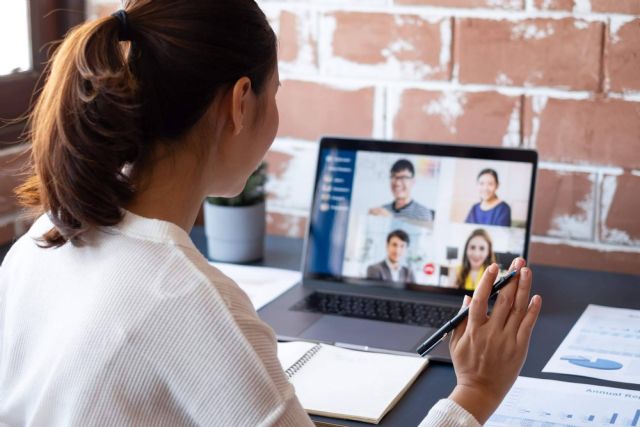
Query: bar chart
(535, 402)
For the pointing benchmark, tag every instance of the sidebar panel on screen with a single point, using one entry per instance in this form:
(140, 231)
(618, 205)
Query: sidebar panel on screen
(330, 215)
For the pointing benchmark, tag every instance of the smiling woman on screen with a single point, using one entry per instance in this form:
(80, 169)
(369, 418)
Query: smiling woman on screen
(109, 315)
(491, 210)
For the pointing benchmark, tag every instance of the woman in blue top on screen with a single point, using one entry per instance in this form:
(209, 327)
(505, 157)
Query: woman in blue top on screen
(490, 210)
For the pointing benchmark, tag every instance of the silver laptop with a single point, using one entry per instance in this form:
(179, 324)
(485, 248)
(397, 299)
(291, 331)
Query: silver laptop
(398, 233)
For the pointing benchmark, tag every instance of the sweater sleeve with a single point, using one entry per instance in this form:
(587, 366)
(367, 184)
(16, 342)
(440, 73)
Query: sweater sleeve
(447, 413)
(293, 416)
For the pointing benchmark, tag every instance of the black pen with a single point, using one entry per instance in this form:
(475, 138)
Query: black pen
(441, 333)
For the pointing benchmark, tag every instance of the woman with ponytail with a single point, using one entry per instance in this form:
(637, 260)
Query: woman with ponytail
(109, 315)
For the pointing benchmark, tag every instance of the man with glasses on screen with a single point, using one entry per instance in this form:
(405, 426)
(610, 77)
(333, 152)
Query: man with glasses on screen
(403, 206)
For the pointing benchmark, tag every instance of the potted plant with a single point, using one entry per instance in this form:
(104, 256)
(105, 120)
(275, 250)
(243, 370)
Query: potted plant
(235, 227)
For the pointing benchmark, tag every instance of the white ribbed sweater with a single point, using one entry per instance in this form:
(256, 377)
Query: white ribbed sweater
(136, 328)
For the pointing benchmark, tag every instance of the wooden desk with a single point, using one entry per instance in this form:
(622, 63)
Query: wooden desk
(565, 292)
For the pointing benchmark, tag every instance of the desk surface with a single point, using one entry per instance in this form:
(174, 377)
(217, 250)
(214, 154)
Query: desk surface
(565, 292)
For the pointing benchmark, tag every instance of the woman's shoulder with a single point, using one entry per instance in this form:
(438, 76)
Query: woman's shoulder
(211, 277)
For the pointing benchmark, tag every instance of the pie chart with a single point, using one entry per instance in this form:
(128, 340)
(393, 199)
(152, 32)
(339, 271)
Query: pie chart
(604, 364)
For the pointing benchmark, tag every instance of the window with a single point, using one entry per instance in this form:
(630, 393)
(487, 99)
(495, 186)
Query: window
(15, 38)
(27, 28)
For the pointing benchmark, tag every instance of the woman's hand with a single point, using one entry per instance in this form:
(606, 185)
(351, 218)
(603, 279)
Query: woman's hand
(488, 351)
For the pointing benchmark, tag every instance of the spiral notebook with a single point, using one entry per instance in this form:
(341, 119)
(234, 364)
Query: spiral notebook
(348, 384)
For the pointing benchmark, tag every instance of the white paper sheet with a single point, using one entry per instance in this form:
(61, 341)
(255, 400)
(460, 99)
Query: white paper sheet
(604, 343)
(261, 284)
(533, 402)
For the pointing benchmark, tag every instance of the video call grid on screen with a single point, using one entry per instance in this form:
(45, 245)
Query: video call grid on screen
(363, 231)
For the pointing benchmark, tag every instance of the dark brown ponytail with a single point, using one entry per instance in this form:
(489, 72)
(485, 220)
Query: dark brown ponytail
(106, 104)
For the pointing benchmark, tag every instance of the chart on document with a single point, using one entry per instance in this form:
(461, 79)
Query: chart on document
(604, 343)
(533, 402)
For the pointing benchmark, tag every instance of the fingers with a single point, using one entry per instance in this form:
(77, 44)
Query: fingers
(505, 300)
(529, 321)
(479, 302)
(459, 330)
(517, 264)
(521, 302)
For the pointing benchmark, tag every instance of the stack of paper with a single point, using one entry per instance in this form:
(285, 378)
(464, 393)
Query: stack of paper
(261, 284)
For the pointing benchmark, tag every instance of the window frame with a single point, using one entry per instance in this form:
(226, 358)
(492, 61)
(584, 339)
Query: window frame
(49, 22)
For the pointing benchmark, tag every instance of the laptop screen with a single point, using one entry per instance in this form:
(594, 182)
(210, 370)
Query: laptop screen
(417, 216)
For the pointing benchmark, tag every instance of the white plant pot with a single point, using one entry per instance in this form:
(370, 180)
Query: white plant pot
(235, 234)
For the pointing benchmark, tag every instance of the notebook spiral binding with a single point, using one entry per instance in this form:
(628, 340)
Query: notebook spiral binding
(302, 361)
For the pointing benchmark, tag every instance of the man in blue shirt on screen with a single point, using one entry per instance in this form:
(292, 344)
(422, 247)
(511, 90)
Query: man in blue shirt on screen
(403, 206)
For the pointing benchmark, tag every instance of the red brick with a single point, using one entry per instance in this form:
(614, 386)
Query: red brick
(11, 175)
(296, 40)
(564, 205)
(623, 58)
(589, 259)
(309, 110)
(288, 37)
(562, 53)
(616, 6)
(278, 163)
(488, 4)
(620, 207)
(291, 176)
(286, 225)
(401, 46)
(600, 131)
(481, 118)
(554, 4)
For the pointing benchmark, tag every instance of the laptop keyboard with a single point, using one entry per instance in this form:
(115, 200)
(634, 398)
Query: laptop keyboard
(377, 309)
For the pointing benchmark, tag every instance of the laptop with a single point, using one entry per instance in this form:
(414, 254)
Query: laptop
(398, 233)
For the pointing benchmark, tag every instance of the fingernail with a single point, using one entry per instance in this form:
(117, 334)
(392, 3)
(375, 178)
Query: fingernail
(524, 272)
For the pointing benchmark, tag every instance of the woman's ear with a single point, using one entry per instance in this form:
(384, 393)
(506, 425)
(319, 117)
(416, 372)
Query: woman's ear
(240, 103)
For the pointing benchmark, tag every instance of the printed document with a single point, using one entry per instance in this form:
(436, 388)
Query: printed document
(261, 284)
(547, 403)
(604, 343)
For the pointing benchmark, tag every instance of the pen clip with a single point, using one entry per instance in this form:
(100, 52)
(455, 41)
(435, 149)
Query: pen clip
(424, 353)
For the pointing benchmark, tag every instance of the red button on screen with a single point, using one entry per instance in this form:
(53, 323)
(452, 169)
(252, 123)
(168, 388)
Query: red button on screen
(429, 269)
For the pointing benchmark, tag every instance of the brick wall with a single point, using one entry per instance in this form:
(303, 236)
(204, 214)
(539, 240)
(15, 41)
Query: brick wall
(560, 76)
